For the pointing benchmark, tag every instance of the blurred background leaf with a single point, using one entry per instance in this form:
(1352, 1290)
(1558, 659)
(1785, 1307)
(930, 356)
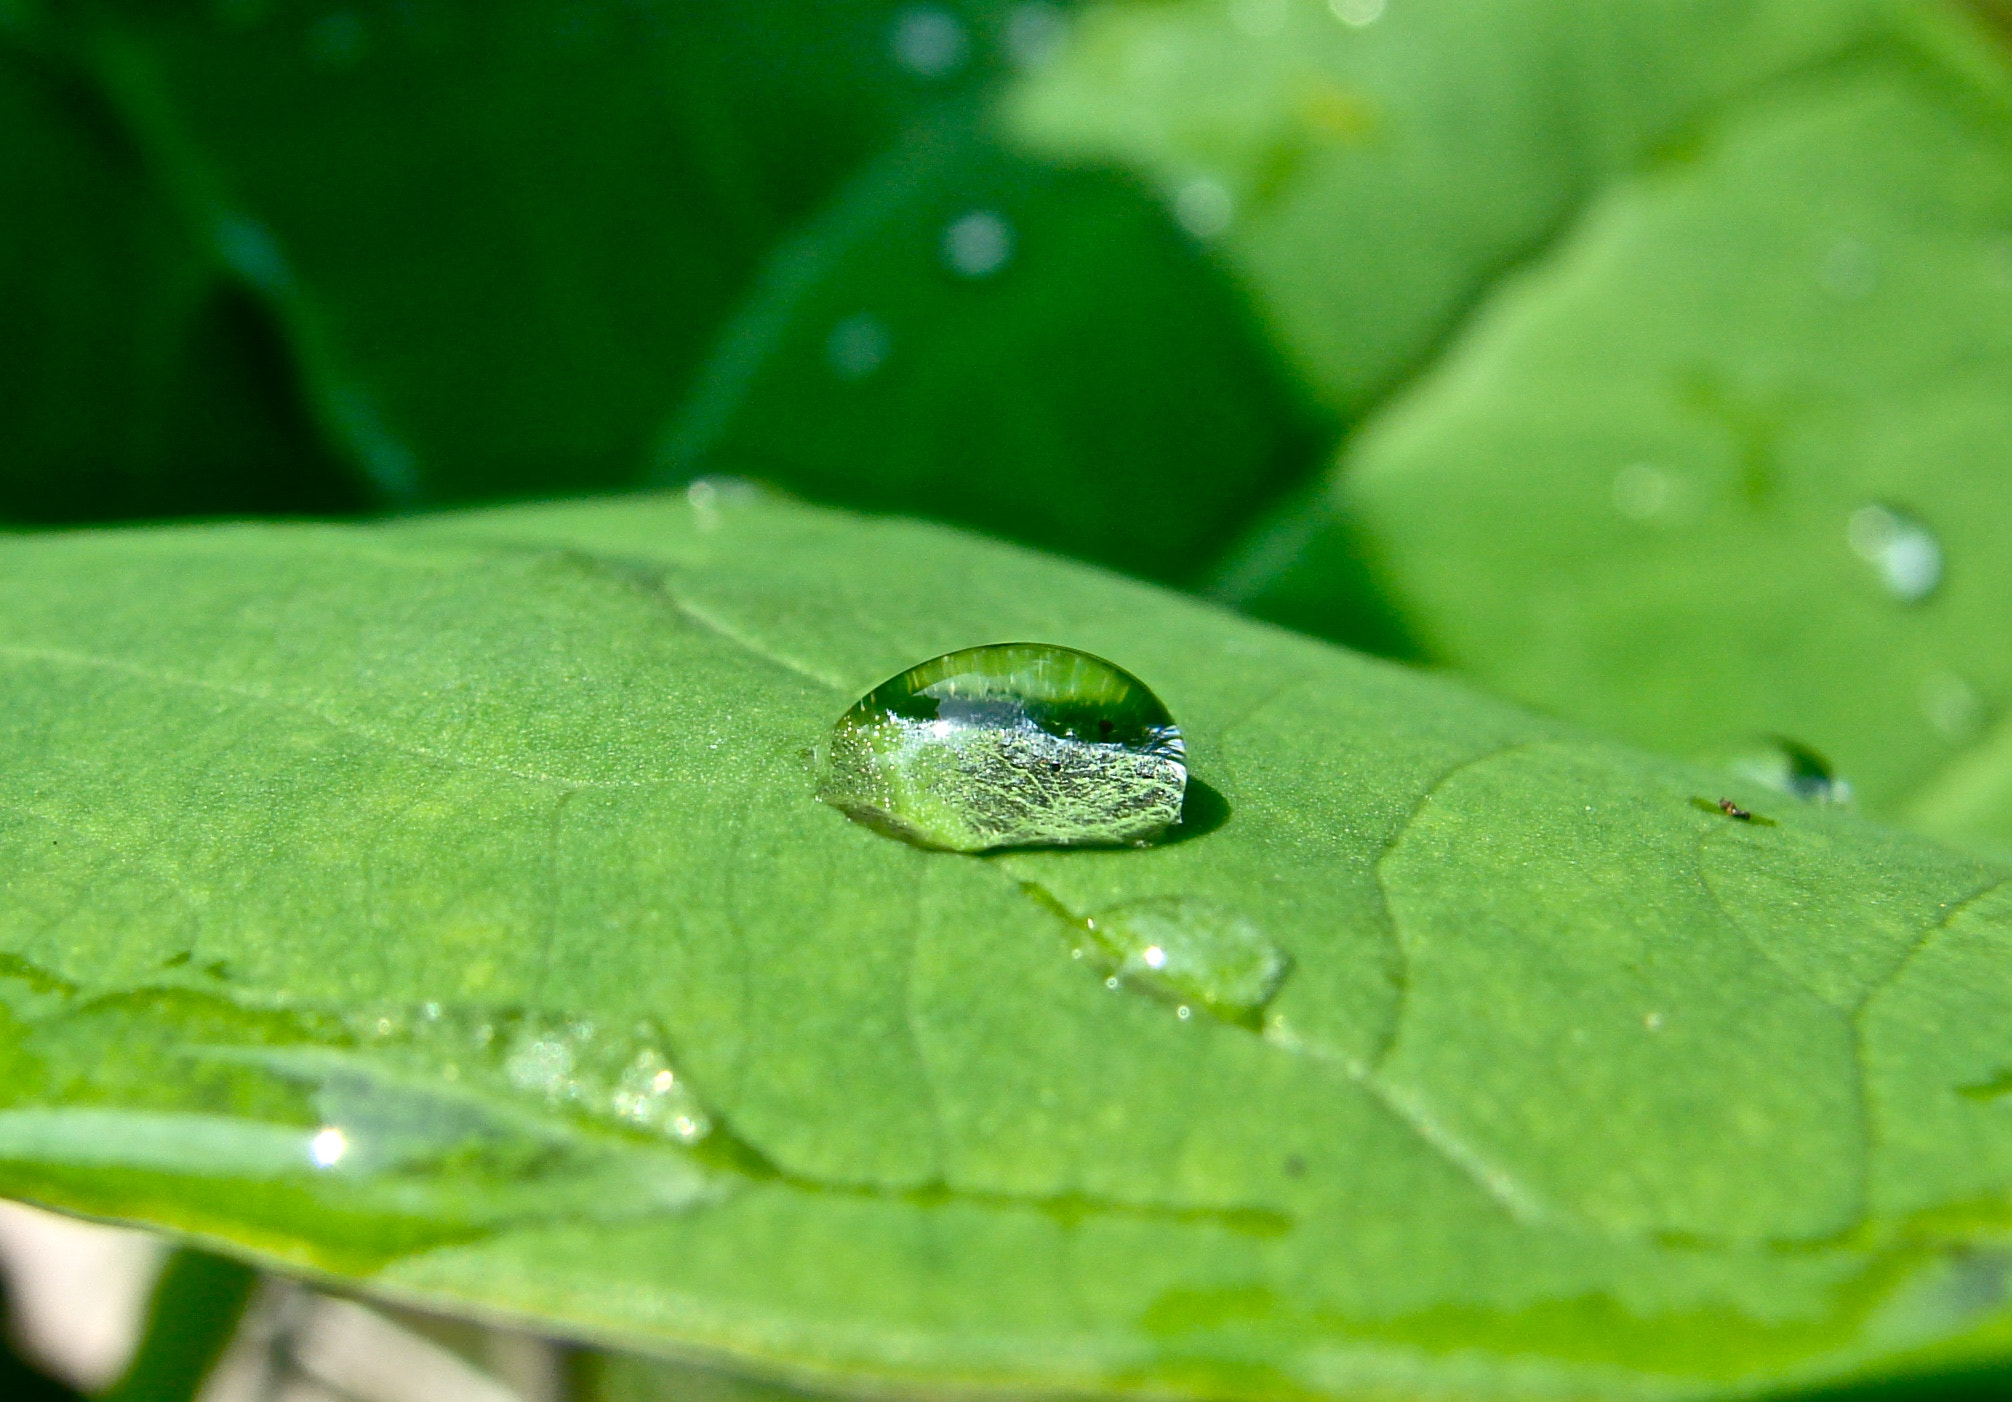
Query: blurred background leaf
(1730, 462)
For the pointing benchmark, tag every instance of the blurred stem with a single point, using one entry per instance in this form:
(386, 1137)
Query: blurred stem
(195, 1310)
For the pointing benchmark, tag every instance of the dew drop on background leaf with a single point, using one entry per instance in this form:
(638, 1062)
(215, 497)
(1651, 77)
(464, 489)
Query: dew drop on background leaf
(1906, 554)
(1790, 767)
(1191, 951)
(1010, 745)
(857, 346)
(978, 245)
(929, 42)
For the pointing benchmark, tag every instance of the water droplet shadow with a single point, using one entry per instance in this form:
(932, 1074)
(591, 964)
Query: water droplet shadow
(1203, 811)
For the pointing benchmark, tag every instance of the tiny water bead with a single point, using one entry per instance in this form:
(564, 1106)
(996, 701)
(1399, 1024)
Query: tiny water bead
(1903, 550)
(619, 1075)
(1010, 745)
(1191, 952)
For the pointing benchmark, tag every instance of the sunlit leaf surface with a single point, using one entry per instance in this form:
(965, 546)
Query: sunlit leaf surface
(448, 907)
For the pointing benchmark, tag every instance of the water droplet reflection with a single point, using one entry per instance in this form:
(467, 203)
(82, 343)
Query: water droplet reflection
(1642, 491)
(978, 244)
(1010, 745)
(328, 1147)
(1204, 208)
(1906, 554)
(858, 346)
(1952, 706)
(929, 42)
(1035, 34)
(1356, 13)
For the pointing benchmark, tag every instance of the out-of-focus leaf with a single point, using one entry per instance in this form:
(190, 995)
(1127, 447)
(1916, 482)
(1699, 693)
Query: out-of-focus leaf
(1738, 461)
(980, 339)
(134, 379)
(448, 907)
(1369, 168)
(502, 234)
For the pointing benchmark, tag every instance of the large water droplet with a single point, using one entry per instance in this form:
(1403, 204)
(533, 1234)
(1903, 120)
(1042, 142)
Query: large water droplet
(1010, 745)
(1901, 548)
(1191, 952)
(1790, 767)
(978, 244)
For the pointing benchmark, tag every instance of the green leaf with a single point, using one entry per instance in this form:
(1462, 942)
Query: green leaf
(1370, 175)
(502, 235)
(479, 863)
(137, 380)
(976, 337)
(1731, 463)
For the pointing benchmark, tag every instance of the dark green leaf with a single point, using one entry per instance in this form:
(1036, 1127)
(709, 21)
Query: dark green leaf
(480, 863)
(136, 380)
(978, 338)
(503, 234)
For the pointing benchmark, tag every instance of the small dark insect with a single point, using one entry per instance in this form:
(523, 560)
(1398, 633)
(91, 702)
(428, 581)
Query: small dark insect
(1733, 810)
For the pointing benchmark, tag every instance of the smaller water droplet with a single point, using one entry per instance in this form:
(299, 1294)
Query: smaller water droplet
(1356, 14)
(1035, 33)
(1653, 1021)
(1204, 208)
(978, 244)
(1903, 550)
(858, 346)
(1952, 706)
(1642, 491)
(1194, 952)
(929, 42)
(1260, 19)
(1184, 1012)
(337, 41)
(1010, 745)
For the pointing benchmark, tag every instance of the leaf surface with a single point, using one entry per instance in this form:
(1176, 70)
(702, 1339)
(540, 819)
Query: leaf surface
(447, 907)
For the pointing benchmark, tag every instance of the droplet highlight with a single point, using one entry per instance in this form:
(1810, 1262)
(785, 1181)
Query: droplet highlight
(929, 42)
(857, 347)
(1904, 551)
(1010, 745)
(978, 245)
(1204, 207)
(1356, 14)
(1190, 952)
